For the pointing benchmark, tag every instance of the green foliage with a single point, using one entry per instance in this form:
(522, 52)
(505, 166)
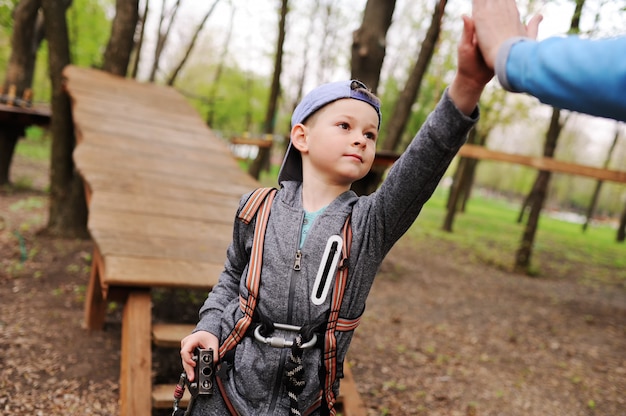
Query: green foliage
(89, 27)
(6, 15)
(6, 26)
(36, 144)
(488, 233)
(89, 30)
(240, 98)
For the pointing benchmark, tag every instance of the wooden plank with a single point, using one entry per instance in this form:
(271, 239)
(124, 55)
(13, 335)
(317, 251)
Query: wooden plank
(145, 272)
(218, 210)
(163, 397)
(208, 250)
(130, 143)
(24, 116)
(157, 226)
(351, 402)
(84, 81)
(170, 335)
(136, 358)
(95, 304)
(178, 110)
(543, 163)
(168, 186)
(251, 141)
(166, 132)
(87, 155)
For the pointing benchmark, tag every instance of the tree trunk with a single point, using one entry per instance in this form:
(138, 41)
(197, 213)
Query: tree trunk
(369, 42)
(596, 192)
(68, 209)
(219, 71)
(621, 229)
(122, 40)
(182, 62)
(162, 36)
(19, 77)
(540, 190)
(402, 110)
(139, 44)
(462, 175)
(262, 161)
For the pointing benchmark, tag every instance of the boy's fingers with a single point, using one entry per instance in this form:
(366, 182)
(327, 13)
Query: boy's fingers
(468, 28)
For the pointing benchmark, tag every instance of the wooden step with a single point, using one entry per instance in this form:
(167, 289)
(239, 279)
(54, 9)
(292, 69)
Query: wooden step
(163, 397)
(170, 335)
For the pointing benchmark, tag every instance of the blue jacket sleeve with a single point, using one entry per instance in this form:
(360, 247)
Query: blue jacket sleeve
(583, 75)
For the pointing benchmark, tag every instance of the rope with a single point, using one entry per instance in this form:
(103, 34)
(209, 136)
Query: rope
(293, 377)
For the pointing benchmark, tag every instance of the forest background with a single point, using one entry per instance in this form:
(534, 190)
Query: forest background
(229, 69)
(229, 73)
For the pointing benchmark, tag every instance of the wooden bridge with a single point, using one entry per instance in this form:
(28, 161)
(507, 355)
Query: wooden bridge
(162, 192)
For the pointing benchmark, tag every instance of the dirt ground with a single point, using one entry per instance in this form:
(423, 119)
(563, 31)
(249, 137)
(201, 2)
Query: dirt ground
(442, 335)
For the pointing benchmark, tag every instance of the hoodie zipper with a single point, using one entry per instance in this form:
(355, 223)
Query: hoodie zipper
(292, 291)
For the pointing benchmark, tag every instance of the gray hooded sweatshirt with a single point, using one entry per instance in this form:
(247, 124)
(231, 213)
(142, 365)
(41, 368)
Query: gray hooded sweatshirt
(254, 384)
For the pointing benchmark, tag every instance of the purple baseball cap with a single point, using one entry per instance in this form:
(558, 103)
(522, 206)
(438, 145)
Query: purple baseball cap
(291, 169)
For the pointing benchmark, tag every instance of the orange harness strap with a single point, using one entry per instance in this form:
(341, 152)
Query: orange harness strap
(261, 199)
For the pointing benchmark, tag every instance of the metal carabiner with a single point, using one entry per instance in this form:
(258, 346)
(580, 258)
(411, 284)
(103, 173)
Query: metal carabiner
(278, 342)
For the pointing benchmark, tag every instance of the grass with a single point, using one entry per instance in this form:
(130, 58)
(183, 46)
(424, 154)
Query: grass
(35, 146)
(488, 232)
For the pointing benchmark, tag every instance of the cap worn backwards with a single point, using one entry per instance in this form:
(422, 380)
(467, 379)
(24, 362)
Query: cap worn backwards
(291, 169)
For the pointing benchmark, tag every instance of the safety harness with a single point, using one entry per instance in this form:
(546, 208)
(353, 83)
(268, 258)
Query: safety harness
(259, 204)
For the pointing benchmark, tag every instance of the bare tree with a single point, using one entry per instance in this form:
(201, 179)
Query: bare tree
(143, 17)
(174, 74)
(402, 109)
(68, 208)
(211, 100)
(495, 110)
(596, 192)
(263, 157)
(539, 193)
(463, 179)
(25, 41)
(369, 42)
(540, 188)
(163, 32)
(621, 229)
(122, 40)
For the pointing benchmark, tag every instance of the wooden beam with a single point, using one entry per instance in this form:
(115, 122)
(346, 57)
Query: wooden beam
(95, 304)
(136, 360)
(349, 398)
(251, 141)
(543, 163)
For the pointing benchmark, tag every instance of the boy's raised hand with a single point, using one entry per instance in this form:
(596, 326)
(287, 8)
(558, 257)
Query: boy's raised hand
(472, 72)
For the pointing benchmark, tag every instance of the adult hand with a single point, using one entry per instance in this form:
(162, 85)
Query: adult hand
(499, 20)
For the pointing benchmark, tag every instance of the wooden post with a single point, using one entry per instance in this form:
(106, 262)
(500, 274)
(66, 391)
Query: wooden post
(95, 304)
(136, 360)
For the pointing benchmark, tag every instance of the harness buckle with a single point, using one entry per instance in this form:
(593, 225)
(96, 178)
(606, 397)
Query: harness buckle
(278, 342)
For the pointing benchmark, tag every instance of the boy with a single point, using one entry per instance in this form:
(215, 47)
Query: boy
(333, 143)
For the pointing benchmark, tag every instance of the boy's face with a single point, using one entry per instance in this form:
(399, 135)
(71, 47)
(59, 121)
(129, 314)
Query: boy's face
(341, 141)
